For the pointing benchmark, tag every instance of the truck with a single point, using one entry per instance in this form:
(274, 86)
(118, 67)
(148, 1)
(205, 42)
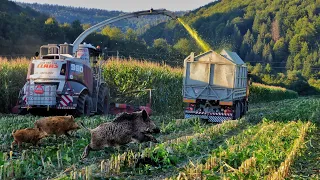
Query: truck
(68, 77)
(215, 86)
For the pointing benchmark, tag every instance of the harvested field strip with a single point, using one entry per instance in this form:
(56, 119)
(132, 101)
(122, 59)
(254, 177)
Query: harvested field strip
(307, 165)
(252, 161)
(283, 170)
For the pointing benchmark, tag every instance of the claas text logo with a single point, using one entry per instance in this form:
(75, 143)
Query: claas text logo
(45, 65)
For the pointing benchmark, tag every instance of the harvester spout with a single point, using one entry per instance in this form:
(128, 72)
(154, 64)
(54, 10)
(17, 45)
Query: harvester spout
(83, 35)
(164, 12)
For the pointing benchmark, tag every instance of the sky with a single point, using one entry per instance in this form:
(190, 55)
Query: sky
(128, 5)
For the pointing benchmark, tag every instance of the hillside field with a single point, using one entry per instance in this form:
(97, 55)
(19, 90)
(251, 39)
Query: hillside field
(273, 141)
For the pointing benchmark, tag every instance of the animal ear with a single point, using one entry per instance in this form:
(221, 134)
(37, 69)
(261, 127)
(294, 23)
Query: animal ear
(144, 114)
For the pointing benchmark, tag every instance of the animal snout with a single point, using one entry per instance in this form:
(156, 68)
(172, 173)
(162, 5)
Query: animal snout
(156, 130)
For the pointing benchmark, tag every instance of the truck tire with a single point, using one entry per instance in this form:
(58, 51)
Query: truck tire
(242, 107)
(237, 111)
(245, 108)
(103, 100)
(84, 105)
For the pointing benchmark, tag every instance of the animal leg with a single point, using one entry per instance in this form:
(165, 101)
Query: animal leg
(37, 143)
(12, 144)
(141, 137)
(19, 145)
(86, 151)
(149, 137)
(67, 134)
(109, 150)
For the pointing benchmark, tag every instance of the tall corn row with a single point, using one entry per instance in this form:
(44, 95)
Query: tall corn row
(12, 77)
(265, 93)
(125, 76)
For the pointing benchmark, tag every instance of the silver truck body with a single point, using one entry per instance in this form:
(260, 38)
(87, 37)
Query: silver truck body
(213, 77)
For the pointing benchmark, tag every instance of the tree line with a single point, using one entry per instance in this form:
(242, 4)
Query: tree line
(281, 35)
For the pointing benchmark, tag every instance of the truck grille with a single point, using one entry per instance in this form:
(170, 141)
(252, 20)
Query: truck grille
(40, 95)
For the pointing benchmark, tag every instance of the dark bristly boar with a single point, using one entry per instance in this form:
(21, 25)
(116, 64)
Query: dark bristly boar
(57, 125)
(125, 128)
(28, 135)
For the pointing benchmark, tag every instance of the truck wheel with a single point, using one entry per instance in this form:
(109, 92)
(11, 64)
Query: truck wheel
(242, 107)
(245, 108)
(103, 100)
(237, 111)
(84, 105)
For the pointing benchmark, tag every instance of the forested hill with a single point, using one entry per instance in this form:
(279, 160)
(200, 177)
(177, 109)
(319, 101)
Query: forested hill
(20, 28)
(283, 33)
(68, 14)
(11, 7)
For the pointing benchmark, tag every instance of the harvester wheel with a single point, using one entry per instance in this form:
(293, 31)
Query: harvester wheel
(84, 105)
(103, 100)
(23, 112)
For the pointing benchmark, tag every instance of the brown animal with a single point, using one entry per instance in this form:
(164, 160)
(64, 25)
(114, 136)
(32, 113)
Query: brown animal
(57, 125)
(28, 135)
(125, 128)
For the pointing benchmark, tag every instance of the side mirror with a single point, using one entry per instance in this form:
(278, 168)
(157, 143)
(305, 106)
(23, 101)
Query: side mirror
(36, 54)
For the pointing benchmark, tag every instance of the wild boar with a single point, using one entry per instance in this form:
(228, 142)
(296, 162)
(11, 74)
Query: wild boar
(57, 125)
(125, 128)
(28, 135)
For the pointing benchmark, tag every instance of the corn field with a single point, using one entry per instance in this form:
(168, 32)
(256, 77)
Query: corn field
(124, 76)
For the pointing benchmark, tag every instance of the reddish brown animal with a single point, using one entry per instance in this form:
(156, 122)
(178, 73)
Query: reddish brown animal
(125, 128)
(57, 125)
(28, 135)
